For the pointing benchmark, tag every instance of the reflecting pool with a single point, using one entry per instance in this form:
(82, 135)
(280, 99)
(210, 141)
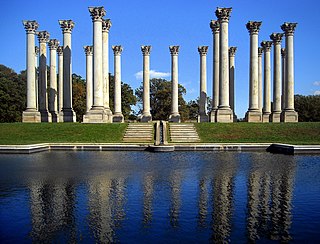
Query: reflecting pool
(142, 197)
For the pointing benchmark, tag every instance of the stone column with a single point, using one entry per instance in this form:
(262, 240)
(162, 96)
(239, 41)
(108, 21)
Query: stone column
(146, 115)
(31, 114)
(215, 27)
(117, 117)
(43, 37)
(36, 58)
(232, 53)
(60, 79)
(203, 117)
(174, 116)
(53, 91)
(224, 112)
(106, 25)
(253, 114)
(266, 45)
(289, 114)
(67, 114)
(283, 78)
(276, 109)
(260, 100)
(89, 51)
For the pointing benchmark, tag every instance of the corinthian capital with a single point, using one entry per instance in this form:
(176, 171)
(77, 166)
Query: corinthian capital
(174, 50)
(232, 51)
(30, 26)
(53, 44)
(66, 25)
(260, 51)
(276, 38)
(106, 25)
(223, 14)
(215, 26)
(88, 50)
(43, 36)
(283, 52)
(97, 13)
(60, 50)
(203, 50)
(146, 50)
(117, 50)
(266, 45)
(289, 28)
(253, 26)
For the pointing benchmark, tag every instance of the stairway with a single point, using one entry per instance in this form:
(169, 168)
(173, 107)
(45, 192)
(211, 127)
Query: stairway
(183, 132)
(139, 132)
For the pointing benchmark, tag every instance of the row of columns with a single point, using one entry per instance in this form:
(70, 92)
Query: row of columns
(283, 98)
(43, 104)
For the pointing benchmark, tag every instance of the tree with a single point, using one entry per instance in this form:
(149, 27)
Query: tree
(160, 99)
(12, 94)
(78, 96)
(308, 107)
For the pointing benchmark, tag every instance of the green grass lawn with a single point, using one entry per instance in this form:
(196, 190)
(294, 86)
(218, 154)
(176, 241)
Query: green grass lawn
(293, 133)
(25, 133)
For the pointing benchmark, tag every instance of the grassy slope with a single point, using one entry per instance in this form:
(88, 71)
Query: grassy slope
(293, 133)
(23, 133)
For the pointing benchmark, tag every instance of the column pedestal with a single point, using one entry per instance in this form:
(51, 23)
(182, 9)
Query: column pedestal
(289, 116)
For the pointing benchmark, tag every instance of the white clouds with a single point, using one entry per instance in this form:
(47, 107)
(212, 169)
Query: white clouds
(153, 74)
(316, 83)
(316, 93)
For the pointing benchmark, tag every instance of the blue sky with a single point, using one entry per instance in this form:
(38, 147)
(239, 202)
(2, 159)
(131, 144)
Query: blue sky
(169, 22)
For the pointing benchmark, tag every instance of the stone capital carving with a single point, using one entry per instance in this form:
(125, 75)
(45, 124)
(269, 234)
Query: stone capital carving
(266, 45)
(174, 50)
(203, 50)
(117, 50)
(215, 26)
(43, 36)
(36, 50)
(232, 51)
(106, 25)
(223, 14)
(66, 25)
(276, 38)
(30, 26)
(253, 27)
(146, 50)
(289, 28)
(283, 52)
(97, 13)
(88, 50)
(260, 51)
(53, 44)
(60, 50)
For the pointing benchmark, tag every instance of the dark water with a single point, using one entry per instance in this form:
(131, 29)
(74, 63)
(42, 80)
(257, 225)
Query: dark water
(141, 197)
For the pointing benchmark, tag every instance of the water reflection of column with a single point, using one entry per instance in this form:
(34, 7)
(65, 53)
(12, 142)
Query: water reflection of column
(175, 183)
(223, 184)
(100, 209)
(147, 199)
(118, 201)
(203, 203)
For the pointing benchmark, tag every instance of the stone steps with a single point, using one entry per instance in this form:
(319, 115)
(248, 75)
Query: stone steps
(183, 133)
(139, 132)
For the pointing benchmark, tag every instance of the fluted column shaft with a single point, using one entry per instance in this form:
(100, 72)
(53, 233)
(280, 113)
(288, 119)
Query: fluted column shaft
(60, 78)
(283, 83)
(203, 84)
(267, 81)
(146, 115)
(53, 103)
(232, 53)
(174, 116)
(89, 51)
(260, 97)
(106, 25)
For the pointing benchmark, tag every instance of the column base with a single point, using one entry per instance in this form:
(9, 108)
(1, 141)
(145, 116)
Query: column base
(290, 116)
(275, 117)
(266, 117)
(45, 116)
(175, 118)
(54, 116)
(67, 115)
(118, 118)
(98, 116)
(212, 116)
(224, 115)
(203, 118)
(32, 116)
(254, 116)
(146, 118)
